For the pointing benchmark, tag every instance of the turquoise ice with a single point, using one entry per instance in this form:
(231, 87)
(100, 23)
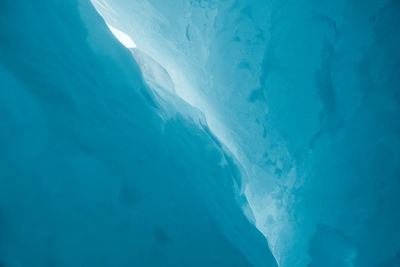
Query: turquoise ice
(224, 133)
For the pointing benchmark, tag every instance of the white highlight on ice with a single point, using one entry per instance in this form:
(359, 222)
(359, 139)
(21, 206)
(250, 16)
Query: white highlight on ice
(122, 37)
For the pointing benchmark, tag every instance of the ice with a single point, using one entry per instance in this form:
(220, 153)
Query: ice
(154, 74)
(98, 168)
(305, 94)
(286, 111)
(122, 37)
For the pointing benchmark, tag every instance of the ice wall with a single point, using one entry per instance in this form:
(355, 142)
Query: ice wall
(306, 95)
(98, 168)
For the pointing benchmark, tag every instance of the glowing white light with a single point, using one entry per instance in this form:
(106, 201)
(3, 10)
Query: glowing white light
(122, 37)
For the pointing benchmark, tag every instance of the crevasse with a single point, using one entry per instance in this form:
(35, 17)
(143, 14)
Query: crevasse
(284, 110)
(97, 167)
(305, 94)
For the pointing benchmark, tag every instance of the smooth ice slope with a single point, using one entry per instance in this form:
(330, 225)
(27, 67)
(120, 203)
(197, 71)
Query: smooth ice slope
(96, 168)
(306, 95)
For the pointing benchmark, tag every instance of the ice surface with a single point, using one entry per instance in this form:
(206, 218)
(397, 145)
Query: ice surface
(122, 37)
(306, 96)
(154, 74)
(118, 157)
(98, 168)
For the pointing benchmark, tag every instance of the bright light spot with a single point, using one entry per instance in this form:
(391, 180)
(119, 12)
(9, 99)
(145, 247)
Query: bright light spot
(122, 37)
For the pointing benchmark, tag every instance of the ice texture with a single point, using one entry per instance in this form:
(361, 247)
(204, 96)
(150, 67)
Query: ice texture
(99, 168)
(306, 96)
